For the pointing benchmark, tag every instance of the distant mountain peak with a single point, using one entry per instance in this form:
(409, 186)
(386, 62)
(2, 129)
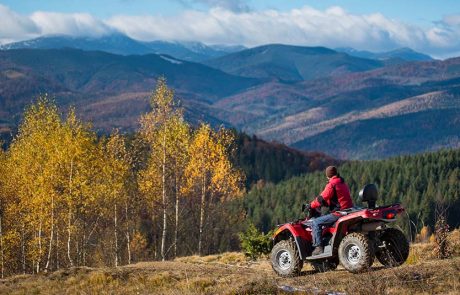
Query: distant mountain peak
(403, 54)
(119, 43)
(290, 62)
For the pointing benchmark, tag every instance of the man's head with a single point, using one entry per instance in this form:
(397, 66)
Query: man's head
(331, 171)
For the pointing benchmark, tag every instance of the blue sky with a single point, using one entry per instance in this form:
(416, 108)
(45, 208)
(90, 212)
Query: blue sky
(422, 12)
(425, 25)
(412, 10)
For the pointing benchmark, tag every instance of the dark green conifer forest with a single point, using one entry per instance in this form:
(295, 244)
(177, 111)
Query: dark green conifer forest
(419, 182)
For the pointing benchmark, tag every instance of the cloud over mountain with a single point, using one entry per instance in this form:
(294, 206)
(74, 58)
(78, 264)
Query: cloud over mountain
(231, 22)
(233, 5)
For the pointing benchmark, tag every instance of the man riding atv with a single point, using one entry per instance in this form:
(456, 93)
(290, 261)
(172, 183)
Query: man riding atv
(353, 236)
(335, 196)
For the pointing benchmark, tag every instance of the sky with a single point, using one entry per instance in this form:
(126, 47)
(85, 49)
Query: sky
(428, 26)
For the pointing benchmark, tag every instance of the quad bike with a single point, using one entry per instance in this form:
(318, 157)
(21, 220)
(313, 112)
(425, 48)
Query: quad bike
(354, 240)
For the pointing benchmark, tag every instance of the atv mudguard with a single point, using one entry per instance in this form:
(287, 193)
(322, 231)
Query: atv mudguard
(297, 231)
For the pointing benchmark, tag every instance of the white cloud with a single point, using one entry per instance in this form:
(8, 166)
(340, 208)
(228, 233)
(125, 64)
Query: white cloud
(233, 5)
(226, 24)
(333, 27)
(13, 25)
(76, 24)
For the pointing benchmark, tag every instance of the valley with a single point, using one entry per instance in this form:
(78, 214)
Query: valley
(300, 96)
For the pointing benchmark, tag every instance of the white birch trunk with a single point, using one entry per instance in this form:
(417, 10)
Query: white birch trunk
(69, 233)
(39, 243)
(177, 217)
(23, 249)
(128, 240)
(69, 229)
(115, 233)
(51, 235)
(163, 180)
(203, 203)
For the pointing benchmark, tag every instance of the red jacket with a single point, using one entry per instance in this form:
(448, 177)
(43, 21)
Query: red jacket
(336, 196)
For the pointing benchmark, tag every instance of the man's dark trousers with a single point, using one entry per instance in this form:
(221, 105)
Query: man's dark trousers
(317, 225)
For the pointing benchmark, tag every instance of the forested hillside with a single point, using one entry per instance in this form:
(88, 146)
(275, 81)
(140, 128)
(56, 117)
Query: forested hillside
(263, 161)
(419, 182)
(309, 98)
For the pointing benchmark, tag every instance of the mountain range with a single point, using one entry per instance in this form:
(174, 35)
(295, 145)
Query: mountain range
(393, 56)
(124, 45)
(312, 98)
(291, 63)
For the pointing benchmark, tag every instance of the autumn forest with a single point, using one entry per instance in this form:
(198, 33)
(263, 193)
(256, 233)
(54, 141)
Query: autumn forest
(71, 198)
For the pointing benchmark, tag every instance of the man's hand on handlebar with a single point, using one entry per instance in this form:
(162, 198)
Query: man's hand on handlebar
(311, 212)
(306, 207)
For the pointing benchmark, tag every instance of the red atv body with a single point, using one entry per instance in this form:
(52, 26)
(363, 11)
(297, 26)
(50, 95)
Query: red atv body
(354, 240)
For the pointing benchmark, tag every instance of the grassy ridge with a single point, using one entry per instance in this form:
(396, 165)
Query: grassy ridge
(231, 274)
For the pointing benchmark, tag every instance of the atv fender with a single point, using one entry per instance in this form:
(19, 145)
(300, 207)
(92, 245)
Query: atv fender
(297, 233)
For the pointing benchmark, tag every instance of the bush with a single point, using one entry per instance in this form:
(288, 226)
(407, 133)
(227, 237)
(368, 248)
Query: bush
(443, 248)
(255, 243)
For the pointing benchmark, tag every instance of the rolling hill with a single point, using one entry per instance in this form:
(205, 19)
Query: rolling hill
(290, 63)
(294, 113)
(320, 99)
(110, 90)
(397, 55)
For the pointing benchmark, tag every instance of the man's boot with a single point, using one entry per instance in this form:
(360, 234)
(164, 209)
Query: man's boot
(318, 250)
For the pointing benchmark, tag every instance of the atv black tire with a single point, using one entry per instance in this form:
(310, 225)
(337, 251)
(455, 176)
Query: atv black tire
(396, 248)
(324, 266)
(356, 253)
(285, 259)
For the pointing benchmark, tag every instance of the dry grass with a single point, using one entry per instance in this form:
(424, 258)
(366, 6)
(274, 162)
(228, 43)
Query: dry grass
(231, 273)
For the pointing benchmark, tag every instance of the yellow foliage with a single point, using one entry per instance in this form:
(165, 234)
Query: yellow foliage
(424, 235)
(138, 246)
(67, 196)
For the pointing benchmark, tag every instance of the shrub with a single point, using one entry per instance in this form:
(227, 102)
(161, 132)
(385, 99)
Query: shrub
(442, 249)
(255, 243)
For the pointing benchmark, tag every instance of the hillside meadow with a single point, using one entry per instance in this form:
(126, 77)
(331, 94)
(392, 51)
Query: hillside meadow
(231, 273)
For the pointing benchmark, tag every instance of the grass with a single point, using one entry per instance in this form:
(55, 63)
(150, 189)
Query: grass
(231, 273)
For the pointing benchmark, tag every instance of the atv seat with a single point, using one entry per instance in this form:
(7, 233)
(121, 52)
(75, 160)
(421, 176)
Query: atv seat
(349, 210)
(341, 212)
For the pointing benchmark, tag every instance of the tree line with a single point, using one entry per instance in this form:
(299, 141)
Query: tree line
(273, 162)
(419, 182)
(70, 198)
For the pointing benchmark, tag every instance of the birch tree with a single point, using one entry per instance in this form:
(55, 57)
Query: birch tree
(160, 129)
(116, 169)
(210, 173)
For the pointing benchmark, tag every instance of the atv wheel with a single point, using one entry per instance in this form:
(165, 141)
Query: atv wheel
(323, 266)
(396, 248)
(285, 259)
(356, 253)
